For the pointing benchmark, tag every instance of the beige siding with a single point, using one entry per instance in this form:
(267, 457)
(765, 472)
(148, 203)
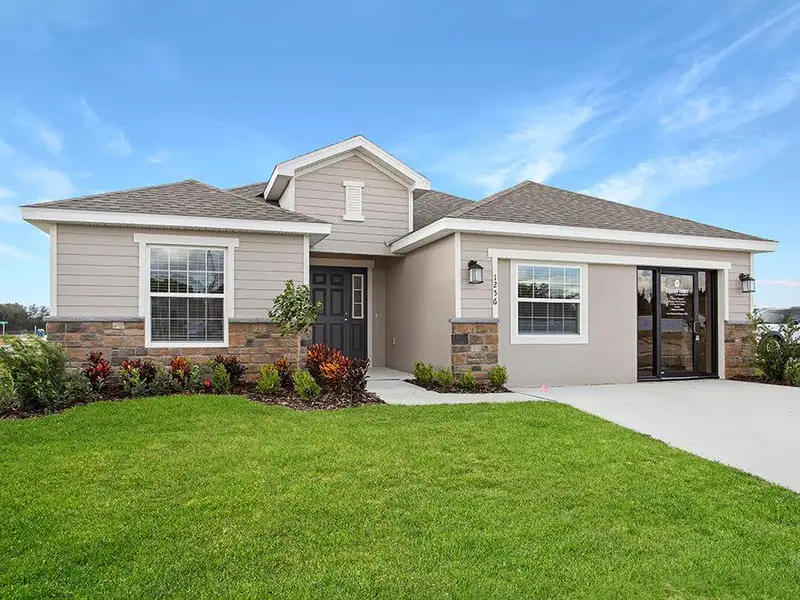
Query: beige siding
(379, 316)
(98, 270)
(320, 194)
(420, 300)
(476, 299)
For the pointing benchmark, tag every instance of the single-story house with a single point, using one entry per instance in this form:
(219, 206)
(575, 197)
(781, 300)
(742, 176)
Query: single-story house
(560, 287)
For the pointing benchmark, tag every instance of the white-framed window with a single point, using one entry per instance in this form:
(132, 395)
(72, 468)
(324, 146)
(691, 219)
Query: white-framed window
(353, 200)
(186, 290)
(550, 303)
(358, 296)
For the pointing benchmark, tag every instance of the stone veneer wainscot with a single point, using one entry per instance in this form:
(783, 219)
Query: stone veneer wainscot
(473, 346)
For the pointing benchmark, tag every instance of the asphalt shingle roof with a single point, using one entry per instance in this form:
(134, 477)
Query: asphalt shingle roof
(530, 202)
(189, 198)
(430, 206)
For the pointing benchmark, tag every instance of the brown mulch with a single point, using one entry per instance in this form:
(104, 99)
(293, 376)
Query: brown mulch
(758, 379)
(480, 389)
(329, 401)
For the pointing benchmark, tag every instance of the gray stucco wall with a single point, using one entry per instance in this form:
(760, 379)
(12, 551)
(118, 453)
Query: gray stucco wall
(476, 299)
(98, 269)
(420, 299)
(610, 355)
(320, 194)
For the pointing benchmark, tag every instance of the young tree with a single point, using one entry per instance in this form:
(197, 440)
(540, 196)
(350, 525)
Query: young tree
(294, 312)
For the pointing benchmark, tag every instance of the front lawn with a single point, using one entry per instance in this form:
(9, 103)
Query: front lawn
(211, 496)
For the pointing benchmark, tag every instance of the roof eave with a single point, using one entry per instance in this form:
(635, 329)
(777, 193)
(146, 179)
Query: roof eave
(447, 225)
(41, 216)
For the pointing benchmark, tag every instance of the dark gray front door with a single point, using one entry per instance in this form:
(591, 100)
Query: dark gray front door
(342, 323)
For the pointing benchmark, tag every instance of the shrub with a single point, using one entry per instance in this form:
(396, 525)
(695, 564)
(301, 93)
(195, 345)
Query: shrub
(773, 355)
(38, 371)
(316, 355)
(162, 383)
(133, 384)
(199, 379)
(294, 312)
(793, 373)
(269, 382)
(236, 370)
(97, 370)
(181, 369)
(220, 379)
(8, 392)
(423, 373)
(148, 370)
(285, 371)
(444, 378)
(333, 371)
(498, 377)
(77, 388)
(355, 381)
(305, 386)
(468, 381)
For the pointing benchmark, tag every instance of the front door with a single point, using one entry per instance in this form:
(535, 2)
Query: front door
(676, 323)
(342, 323)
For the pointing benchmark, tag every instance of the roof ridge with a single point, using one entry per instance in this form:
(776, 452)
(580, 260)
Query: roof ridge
(133, 189)
(489, 199)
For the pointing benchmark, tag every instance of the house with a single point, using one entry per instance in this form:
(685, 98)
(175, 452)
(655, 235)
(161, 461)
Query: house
(560, 287)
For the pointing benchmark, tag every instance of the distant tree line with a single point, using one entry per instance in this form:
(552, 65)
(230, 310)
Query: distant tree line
(23, 319)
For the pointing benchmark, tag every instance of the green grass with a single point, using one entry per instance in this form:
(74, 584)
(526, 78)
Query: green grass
(217, 496)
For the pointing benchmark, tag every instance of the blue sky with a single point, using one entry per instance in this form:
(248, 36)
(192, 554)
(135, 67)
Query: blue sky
(686, 107)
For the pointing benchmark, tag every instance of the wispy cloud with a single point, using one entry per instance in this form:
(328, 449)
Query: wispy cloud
(111, 138)
(47, 183)
(162, 157)
(7, 250)
(789, 283)
(42, 131)
(652, 180)
(8, 213)
(5, 149)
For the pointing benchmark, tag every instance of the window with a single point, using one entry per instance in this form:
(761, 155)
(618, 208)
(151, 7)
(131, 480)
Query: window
(187, 296)
(358, 296)
(352, 200)
(550, 304)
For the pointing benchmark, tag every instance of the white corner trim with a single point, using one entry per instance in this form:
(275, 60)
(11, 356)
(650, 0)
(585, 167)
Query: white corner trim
(726, 290)
(288, 168)
(370, 314)
(722, 317)
(53, 270)
(457, 257)
(752, 274)
(54, 215)
(606, 259)
(447, 225)
(495, 289)
(286, 200)
(581, 338)
(306, 260)
(341, 262)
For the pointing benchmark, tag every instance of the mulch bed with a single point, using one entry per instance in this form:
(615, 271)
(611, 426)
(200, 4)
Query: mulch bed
(480, 389)
(329, 401)
(758, 379)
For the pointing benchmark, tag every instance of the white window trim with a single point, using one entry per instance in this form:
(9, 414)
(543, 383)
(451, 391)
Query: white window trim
(581, 338)
(146, 241)
(353, 216)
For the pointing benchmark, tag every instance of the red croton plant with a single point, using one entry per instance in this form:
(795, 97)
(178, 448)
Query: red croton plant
(97, 370)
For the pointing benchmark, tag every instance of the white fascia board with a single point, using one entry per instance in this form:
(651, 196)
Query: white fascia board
(605, 259)
(448, 225)
(289, 167)
(53, 215)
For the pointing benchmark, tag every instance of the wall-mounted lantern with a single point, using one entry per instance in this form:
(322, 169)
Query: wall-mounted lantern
(475, 271)
(748, 283)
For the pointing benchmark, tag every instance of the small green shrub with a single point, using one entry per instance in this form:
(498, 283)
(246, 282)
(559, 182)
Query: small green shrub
(8, 392)
(793, 373)
(269, 381)
(423, 373)
(162, 383)
(444, 378)
(234, 367)
(498, 377)
(38, 369)
(305, 386)
(773, 354)
(133, 384)
(220, 379)
(77, 388)
(468, 381)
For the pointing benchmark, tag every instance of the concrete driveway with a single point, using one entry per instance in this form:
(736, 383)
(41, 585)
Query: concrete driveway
(753, 427)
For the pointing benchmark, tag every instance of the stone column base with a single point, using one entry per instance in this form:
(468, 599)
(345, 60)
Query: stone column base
(473, 346)
(738, 353)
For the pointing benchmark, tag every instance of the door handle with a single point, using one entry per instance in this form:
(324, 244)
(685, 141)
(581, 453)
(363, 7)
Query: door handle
(696, 327)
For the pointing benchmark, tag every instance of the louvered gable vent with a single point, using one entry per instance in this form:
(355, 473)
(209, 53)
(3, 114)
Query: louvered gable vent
(353, 200)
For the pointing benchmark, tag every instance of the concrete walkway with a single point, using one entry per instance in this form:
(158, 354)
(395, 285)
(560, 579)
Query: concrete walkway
(391, 387)
(749, 426)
